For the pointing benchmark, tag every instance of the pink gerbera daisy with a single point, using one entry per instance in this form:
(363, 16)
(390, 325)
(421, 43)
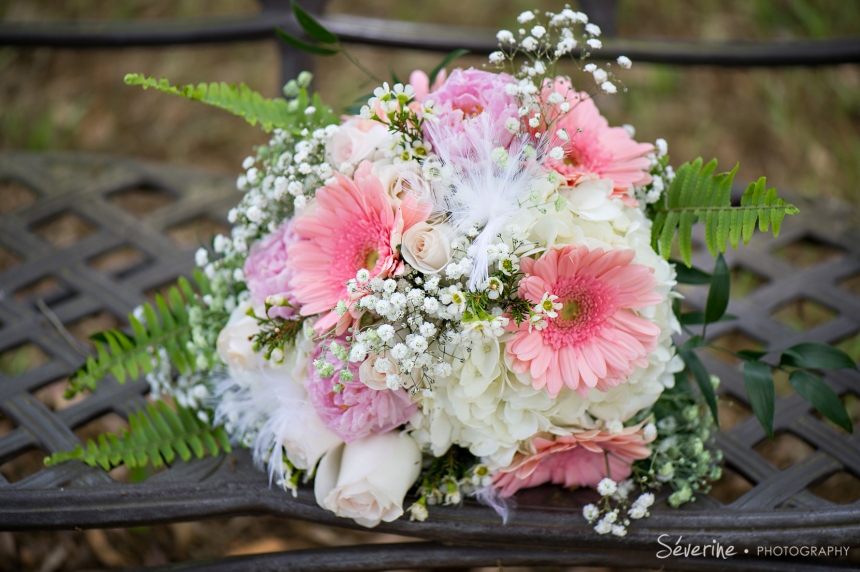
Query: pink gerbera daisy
(577, 460)
(351, 226)
(597, 149)
(595, 340)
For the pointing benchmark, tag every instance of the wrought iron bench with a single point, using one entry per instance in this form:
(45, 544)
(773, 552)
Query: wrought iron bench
(46, 288)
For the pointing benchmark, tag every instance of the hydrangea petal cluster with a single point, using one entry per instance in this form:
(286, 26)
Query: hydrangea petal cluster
(596, 339)
(595, 148)
(351, 225)
(355, 410)
(577, 460)
(267, 273)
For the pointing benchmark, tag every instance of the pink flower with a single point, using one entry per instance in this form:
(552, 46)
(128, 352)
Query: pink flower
(420, 82)
(595, 340)
(598, 149)
(469, 93)
(355, 411)
(578, 460)
(350, 225)
(266, 270)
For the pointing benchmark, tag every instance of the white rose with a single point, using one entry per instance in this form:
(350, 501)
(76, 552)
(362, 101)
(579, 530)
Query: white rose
(589, 199)
(233, 345)
(366, 480)
(401, 180)
(426, 248)
(373, 378)
(305, 437)
(356, 140)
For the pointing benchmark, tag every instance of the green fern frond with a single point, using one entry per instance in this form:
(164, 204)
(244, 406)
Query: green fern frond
(166, 325)
(696, 194)
(157, 436)
(243, 101)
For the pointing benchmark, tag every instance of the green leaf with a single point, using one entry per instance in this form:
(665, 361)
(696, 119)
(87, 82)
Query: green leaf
(448, 59)
(752, 354)
(698, 318)
(304, 46)
(718, 295)
(696, 194)
(697, 368)
(690, 275)
(813, 355)
(313, 28)
(758, 380)
(816, 391)
(691, 344)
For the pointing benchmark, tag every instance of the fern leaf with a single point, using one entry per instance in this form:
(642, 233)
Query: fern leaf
(152, 438)
(277, 113)
(125, 357)
(697, 195)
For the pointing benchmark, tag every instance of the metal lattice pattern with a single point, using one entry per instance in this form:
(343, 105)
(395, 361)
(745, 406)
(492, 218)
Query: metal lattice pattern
(777, 506)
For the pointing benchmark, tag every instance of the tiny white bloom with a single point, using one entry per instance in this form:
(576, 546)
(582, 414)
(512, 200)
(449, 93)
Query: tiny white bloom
(201, 257)
(530, 44)
(590, 512)
(649, 432)
(310, 110)
(557, 153)
(300, 202)
(590, 68)
(594, 44)
(385, 332)
(592, 29)
(526, 16)
(624, 62)
(248, 163)
(362, 275)
(239, 275)
(399, 351)
(534, 122)
(607, 487)
(505, 37)
(497, 57)
(538, 31)
(662, 147)
(603, 527)
(565, 107)
(600, 75)
(608, 87)
(619, 530)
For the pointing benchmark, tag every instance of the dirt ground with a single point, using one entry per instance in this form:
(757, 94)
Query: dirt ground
(797, 126)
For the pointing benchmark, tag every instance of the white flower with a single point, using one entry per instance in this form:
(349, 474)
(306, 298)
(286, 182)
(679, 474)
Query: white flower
(534, 122)
(526, 16)
(538, 31)
(649, 432)
(366, 480)
(602, 527)
(608, 87)
(600, 75)
(662, 147)
(418, 512)
(418, 344)
(426, 248)
(505, 37)
(529, 44)
(512, 124)
(385, 332)
(201, 257)
(594, 44)
(606, 487)
(557, 153)
(590, 512)
(233, 345)
(300, 202)
(619, 530)
(497, 57)
(592, 29)
(636, 512)
(399, 351)
(624, 62)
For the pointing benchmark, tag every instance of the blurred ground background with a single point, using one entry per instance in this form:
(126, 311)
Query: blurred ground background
(797, 126)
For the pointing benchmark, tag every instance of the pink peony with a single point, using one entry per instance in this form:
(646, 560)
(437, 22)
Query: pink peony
(355, 411)
(469, 93)
(350, 225)
(595, 340)
(598, 149)
(266, 270)
(578, 460)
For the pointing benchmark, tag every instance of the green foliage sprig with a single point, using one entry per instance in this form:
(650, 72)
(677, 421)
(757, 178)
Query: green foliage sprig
(277, 113)
(696, 194)
(166, 325)
(157, 436)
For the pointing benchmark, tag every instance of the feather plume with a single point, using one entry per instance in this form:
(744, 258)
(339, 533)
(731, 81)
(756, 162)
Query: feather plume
(476, 189)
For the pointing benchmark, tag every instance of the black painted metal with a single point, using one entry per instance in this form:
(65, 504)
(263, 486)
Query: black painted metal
(778, 510)
(413, 35)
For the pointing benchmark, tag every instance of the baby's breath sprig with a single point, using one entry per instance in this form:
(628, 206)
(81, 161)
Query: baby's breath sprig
(448, 480)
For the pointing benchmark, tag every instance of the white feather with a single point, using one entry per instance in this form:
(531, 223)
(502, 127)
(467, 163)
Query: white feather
(489, 496)
(474, 190)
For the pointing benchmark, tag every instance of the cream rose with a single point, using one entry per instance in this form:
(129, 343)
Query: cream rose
(426, 248)
(401, 180)
(305, 437)
(589, 199)
(356, 140)
(366, 480)
(233, 345)
(370, 376)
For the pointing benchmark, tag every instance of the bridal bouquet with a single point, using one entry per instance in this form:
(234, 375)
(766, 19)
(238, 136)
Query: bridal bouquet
(461, 290)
